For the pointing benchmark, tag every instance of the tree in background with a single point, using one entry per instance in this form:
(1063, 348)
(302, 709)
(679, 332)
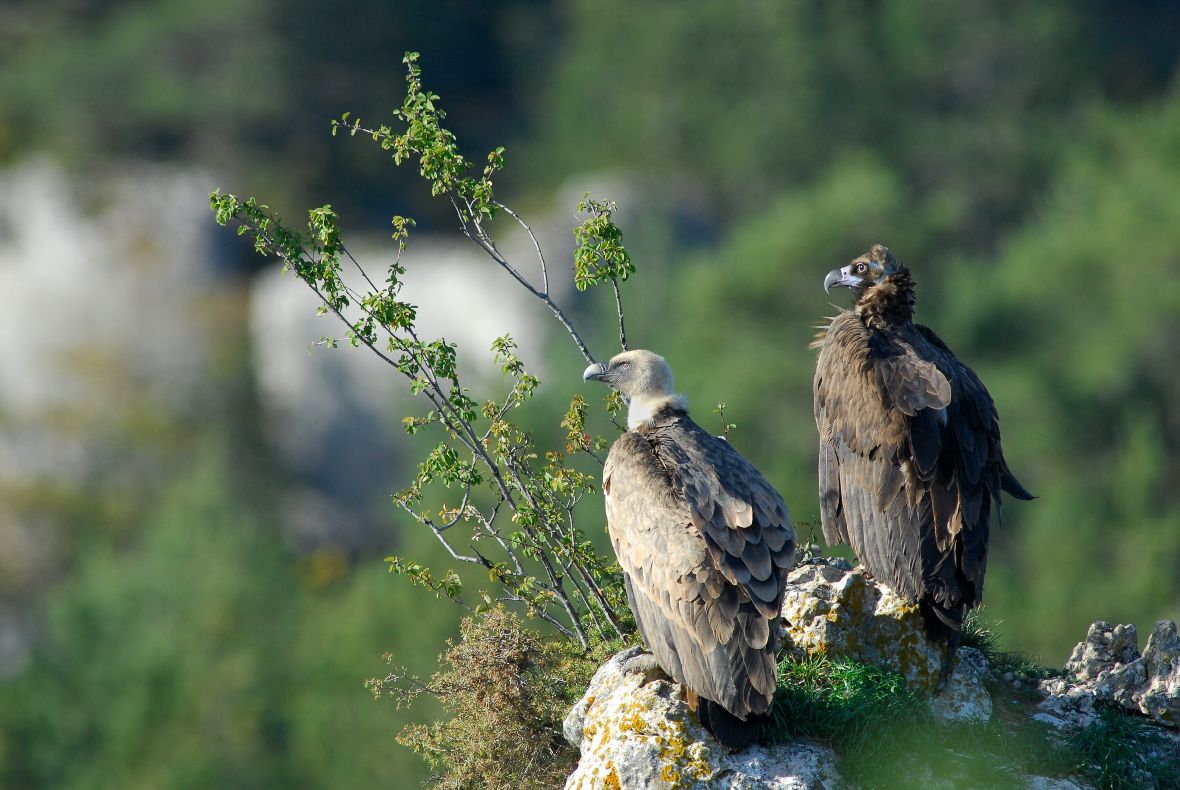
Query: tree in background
(243, 87)
(1019, 157)
(782, 139)
(207, 656)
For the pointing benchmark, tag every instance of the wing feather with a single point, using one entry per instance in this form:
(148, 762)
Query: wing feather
(909, 461)
(707, 629)
(743, 520)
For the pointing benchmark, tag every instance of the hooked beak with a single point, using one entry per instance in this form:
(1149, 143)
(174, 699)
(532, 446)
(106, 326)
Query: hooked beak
(842, 276)
(595, 372)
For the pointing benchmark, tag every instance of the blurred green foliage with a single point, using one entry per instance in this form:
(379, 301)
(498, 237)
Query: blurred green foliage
(247, 88)
(1024, 182)
(1021, 158)
(206, 655)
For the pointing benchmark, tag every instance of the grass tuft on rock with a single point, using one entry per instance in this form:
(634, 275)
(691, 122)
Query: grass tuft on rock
(886, 738)
(839, 701)
(1120, 751)
(979, 634)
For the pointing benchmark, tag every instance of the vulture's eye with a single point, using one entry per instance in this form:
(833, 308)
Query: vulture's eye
(624, 364)
(861, 268)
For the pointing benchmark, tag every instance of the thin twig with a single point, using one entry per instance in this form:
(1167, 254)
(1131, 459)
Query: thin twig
(459, 512)
(360, 268)
(495, 255)
(589, 581)
(619, 309)
(536, 245)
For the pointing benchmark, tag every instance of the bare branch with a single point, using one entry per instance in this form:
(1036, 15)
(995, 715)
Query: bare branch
(360, 269)
(460, 512)
(495, 255)
(438, 533)
(536, 245)
(607, 609)
(619, 310)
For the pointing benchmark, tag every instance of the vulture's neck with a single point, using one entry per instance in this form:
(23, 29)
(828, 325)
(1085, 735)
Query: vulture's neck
(889, 303)
(643, 410)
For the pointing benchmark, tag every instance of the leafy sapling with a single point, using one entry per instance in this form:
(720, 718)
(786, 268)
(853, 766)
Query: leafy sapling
(514, 511)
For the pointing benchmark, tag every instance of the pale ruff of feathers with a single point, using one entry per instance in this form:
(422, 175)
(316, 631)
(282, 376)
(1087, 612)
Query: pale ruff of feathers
(641, 410)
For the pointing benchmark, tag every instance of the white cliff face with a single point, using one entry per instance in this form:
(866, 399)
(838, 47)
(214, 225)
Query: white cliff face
(109, 307)
(117, 318)
(105, 290)
(309, 389)
(333, 415)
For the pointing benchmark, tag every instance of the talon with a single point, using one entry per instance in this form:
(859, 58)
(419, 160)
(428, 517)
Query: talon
(644, 664)
(947, 669)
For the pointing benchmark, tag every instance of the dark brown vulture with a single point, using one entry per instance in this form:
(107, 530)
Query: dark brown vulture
(705, 544)
(910, 463)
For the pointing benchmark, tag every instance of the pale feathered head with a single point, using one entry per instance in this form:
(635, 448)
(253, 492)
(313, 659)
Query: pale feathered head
(637, 375)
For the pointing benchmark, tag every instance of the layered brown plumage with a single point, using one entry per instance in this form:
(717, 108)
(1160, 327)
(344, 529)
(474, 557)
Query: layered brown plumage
(704, 542)
(910, 462)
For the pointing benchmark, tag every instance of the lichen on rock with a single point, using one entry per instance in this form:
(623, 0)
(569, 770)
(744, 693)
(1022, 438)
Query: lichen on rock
(1106, 668)
(635, 735)
(831, 610)
(1160, 696)
(635, 730)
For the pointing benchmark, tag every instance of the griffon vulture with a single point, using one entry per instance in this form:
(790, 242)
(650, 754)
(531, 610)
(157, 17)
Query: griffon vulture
(910, 462)
(705, 544)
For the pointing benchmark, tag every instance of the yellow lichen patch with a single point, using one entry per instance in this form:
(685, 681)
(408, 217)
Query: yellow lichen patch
(611, 781)
(672, 747)
(685, 760)
(672, 753)
(847, 616)
(670, 775)
(698, 763)
(632, 722)
(901, 643)
(631, 718)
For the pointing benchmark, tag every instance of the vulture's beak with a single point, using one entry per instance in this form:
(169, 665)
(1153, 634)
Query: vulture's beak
(595, 372)
(842, 276)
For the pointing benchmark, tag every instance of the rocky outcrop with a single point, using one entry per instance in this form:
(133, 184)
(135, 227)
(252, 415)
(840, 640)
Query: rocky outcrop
(636, 733)
(833, 610)
(1107, 669)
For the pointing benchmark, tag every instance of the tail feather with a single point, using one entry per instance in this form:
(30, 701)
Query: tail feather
(728, 729)
(1010, 484)
(944, 626)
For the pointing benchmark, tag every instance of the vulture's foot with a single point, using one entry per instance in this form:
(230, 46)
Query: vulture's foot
(947, 668)
(645, 665)
(731, 732)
